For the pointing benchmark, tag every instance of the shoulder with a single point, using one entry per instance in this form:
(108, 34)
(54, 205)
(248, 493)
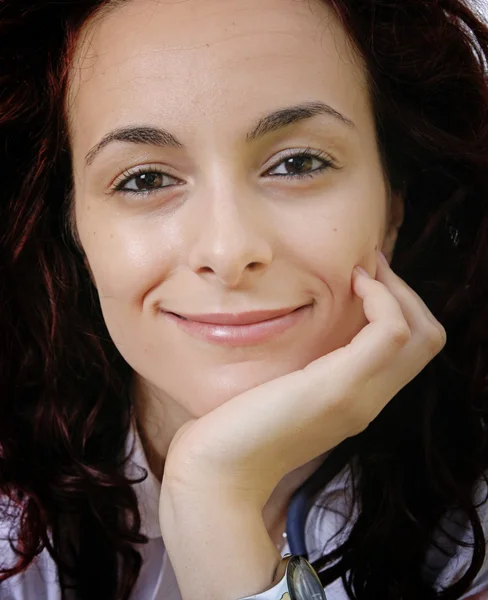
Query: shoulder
(457, 558)
(331, 519)
(9, 518)
(332, 516)
(40, 580)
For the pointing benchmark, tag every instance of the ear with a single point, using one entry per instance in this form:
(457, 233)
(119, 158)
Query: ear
(396, 216)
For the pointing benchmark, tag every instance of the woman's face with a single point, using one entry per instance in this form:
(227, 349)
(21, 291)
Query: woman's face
(225, 161)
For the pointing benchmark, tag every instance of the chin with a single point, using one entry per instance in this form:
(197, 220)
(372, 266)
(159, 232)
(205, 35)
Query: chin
(202, 394)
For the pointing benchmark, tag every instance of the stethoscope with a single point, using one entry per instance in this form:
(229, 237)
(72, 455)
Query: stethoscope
(295, 522)
(298, 510)
(302, 501)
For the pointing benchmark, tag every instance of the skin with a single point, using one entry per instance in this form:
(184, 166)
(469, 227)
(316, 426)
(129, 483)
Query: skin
(227, 234)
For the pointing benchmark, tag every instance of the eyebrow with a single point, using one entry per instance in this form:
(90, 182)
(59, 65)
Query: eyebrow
(137, 135)
(274, 121)
(294, 114)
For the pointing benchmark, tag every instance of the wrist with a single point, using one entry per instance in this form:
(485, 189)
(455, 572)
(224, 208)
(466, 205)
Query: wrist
(218, 545)
(184, 483)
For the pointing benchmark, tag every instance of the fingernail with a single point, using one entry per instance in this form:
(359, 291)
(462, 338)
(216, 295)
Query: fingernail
(363, 272)
(384, 259)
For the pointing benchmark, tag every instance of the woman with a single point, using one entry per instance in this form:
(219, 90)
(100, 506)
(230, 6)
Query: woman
(188, 190)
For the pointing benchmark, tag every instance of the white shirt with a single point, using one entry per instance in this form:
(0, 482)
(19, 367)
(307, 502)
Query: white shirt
(157, 580)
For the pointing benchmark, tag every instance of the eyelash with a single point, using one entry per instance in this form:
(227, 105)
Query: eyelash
(127, 176)
(327, 163)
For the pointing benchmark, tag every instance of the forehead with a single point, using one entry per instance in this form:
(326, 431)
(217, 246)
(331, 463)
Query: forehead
(221, 59)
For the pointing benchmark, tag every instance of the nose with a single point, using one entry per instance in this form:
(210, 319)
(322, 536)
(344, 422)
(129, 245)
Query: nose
(233, 240)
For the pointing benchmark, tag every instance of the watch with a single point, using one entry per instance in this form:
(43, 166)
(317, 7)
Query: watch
(295, 579)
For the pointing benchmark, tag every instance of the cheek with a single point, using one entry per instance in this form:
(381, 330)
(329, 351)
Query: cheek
(339, 241)
(333, 247)
(126, 259)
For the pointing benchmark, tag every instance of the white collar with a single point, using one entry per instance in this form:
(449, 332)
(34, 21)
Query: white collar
(148, 491)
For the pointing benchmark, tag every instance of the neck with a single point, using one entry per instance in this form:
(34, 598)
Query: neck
(159, 417)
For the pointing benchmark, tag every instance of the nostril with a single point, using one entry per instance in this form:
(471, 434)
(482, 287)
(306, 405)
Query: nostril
(206, 270)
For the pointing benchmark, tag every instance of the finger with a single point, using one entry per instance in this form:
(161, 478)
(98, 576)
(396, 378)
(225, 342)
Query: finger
(386, 333)
(401, 290)
(417, 313)
(389, 330)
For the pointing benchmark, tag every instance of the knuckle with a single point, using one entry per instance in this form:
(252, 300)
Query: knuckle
(357, 426)
(443, 336)
(436, 339)
(400, 334)
(351, 413)
(358, 420)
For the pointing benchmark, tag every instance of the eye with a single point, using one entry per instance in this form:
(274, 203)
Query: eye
(144, 181)
(301, 164)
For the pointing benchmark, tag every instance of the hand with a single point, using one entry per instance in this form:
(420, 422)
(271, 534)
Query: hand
(247, 445)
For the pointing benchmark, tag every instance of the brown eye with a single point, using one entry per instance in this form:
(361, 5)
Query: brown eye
(300, 165)
(149, 181)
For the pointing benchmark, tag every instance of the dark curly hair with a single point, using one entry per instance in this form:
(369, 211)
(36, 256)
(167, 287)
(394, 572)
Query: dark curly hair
(65, 410)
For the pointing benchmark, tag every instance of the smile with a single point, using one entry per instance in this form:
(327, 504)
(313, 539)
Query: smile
(244, 329)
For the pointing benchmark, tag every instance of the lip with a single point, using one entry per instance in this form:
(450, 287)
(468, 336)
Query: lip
(242, 329)
(246, 318)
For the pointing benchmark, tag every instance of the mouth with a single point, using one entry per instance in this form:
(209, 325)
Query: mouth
(246, 318)
(239, 329)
